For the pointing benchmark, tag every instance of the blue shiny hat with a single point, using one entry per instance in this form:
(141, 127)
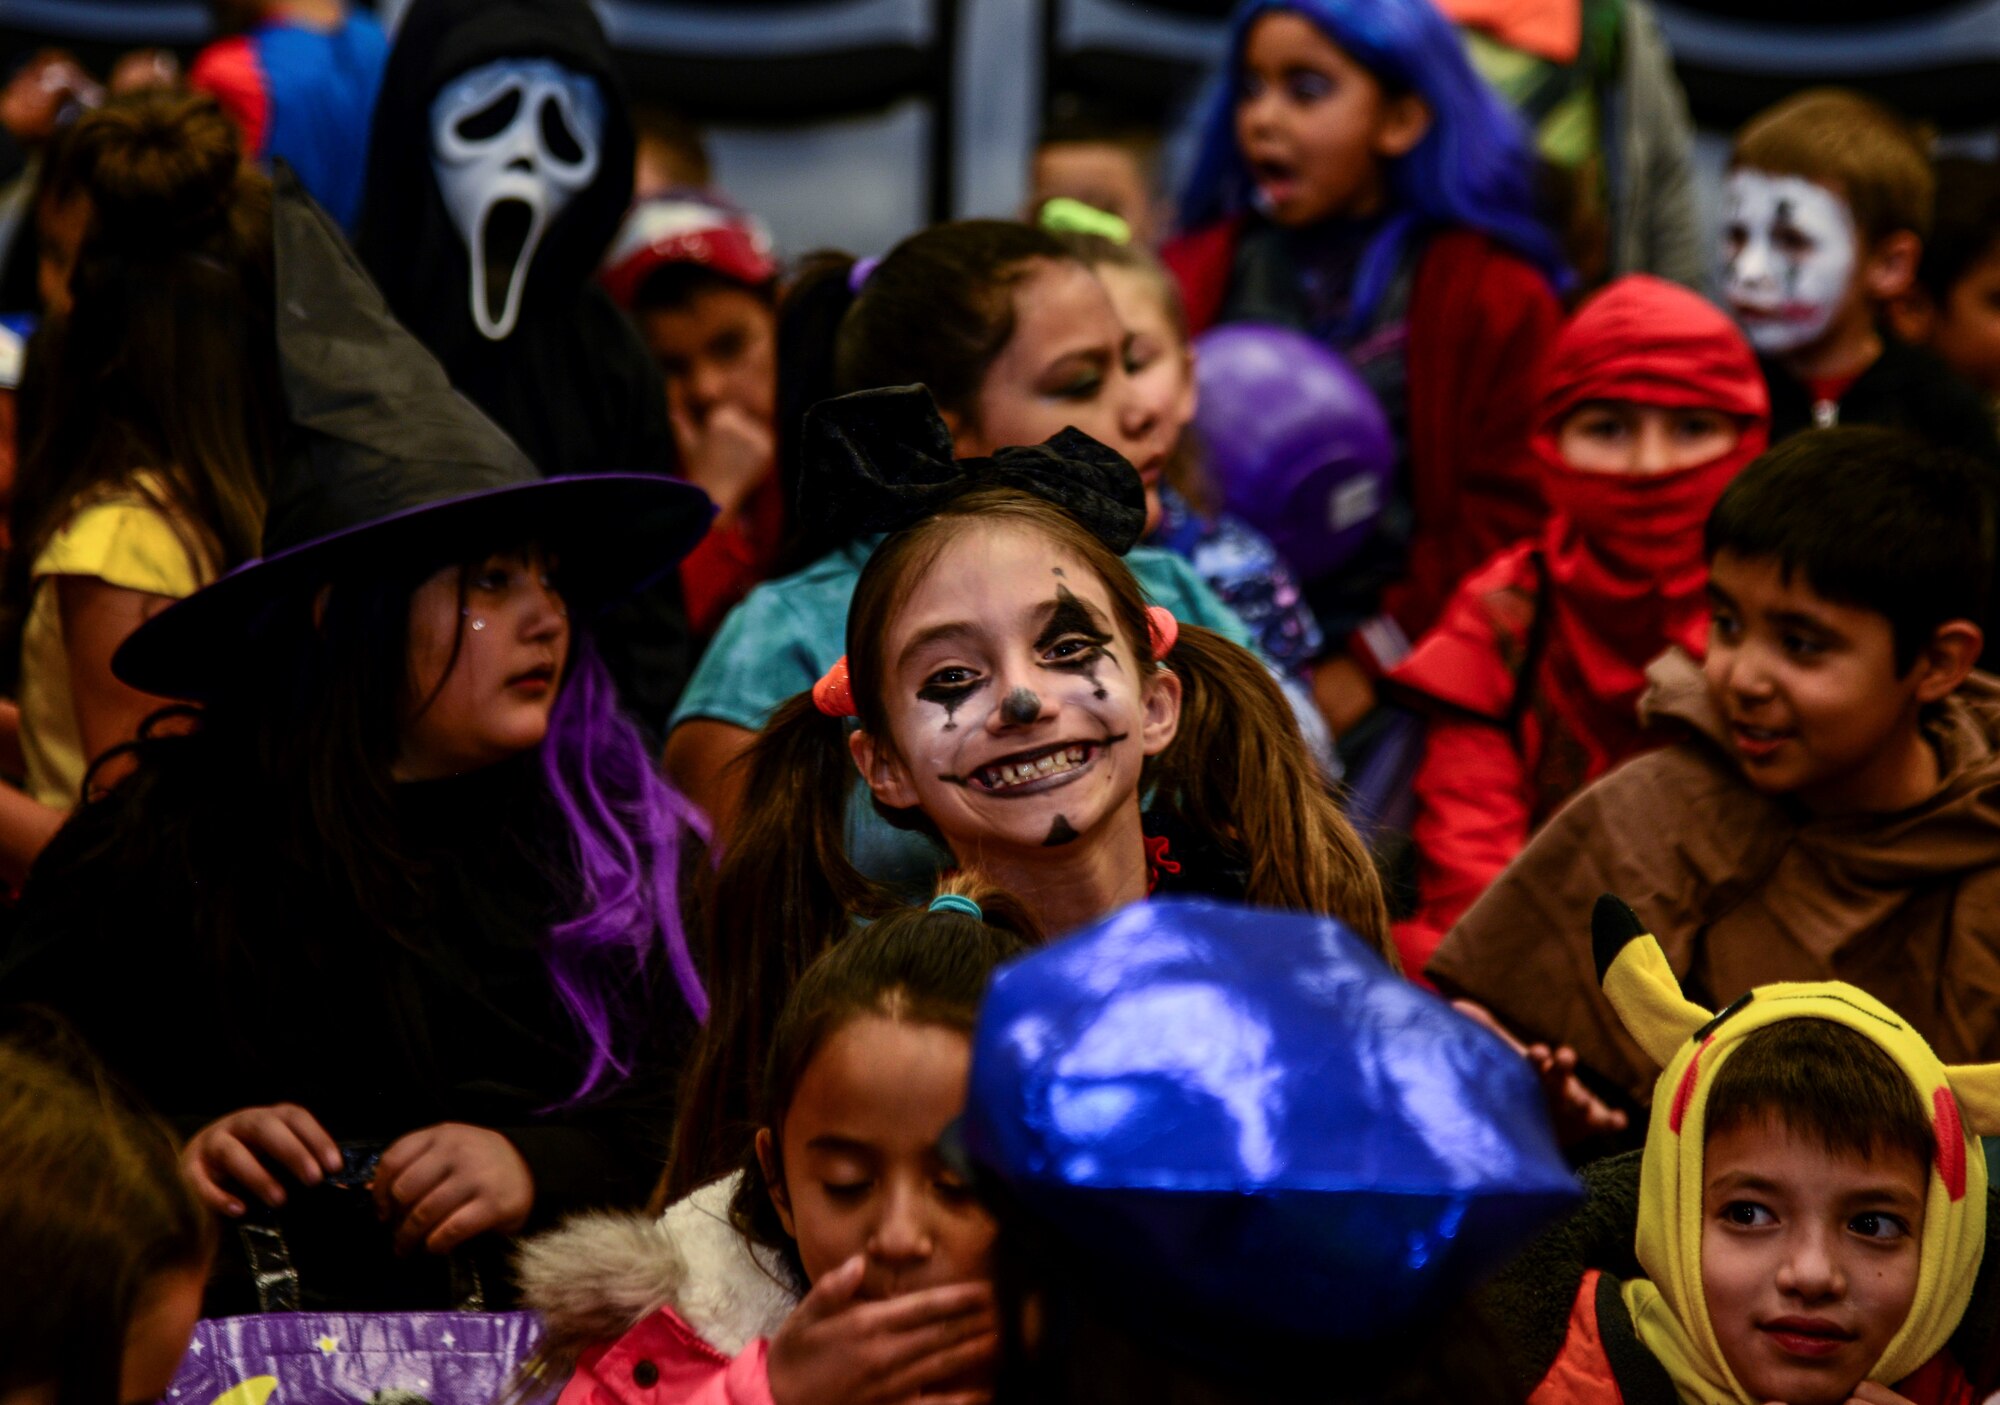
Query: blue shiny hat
(1247, 1112)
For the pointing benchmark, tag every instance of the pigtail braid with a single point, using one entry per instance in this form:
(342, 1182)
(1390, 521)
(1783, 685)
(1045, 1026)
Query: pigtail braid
(1239, 769)
(783, 893)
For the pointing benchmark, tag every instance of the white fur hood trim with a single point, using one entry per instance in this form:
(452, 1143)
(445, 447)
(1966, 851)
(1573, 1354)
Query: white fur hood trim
(599, 1274)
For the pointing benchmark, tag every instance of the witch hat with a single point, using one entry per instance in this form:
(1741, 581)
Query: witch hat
(386, 462)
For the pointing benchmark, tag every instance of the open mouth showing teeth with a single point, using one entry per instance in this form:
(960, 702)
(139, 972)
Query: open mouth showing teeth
(1029, 767)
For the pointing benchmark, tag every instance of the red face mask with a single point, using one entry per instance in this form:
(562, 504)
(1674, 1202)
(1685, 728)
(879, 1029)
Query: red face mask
(1624, 551)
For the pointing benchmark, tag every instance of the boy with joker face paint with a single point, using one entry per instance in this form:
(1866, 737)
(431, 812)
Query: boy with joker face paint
(1827, 205)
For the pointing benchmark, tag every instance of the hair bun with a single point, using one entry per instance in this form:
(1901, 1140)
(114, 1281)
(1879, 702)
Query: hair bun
(160, 169)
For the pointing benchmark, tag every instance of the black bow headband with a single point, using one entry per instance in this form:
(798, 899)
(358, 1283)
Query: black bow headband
(879, 460)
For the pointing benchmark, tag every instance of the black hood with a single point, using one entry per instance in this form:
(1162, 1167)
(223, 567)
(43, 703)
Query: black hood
(407, 238)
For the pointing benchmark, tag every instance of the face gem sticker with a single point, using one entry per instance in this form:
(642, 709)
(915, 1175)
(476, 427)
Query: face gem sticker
(1790, 252)
(1021, 707)
(1060, 834)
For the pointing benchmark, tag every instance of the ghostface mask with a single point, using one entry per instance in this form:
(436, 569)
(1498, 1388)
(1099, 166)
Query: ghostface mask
(512, 143)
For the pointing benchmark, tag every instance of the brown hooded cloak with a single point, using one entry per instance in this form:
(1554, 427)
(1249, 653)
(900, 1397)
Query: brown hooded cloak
(1744, 889)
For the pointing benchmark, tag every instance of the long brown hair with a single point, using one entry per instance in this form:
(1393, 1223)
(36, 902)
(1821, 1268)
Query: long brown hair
(1237, 770)
(164, 360)
(93, 1209)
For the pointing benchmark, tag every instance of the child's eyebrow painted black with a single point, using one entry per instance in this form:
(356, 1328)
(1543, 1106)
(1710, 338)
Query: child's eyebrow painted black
(1070, 615)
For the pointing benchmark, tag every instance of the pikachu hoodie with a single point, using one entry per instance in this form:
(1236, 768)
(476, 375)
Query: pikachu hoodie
(1651, 1338)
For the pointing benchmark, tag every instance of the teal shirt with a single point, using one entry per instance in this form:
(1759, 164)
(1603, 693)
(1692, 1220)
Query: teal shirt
(787, 633)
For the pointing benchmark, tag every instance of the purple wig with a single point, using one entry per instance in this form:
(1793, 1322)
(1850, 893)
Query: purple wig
(1474, 167)
(626, 828)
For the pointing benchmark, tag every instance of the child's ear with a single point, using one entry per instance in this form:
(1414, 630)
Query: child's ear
(1163, 712)
(884, 771)
(966, 441)
(1913, 316)
(1404, 121)
(774, 1179)
(1891, 266)
(1953, 652)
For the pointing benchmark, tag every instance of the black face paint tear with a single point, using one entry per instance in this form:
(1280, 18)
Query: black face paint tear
(950, 699)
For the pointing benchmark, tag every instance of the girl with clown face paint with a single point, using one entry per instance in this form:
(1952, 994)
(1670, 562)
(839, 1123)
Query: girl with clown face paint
(1012, 694)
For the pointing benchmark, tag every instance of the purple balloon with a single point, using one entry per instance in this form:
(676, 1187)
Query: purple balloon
(1297, 442)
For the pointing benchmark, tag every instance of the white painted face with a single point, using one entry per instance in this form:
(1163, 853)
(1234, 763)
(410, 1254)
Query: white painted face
(1789, 252)
(1020, 715)
(512, 142)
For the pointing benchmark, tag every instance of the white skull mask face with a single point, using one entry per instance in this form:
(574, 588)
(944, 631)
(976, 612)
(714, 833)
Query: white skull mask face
(1790, 250)
(512, 142)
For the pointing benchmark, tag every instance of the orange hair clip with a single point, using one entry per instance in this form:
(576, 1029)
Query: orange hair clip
(834, 694)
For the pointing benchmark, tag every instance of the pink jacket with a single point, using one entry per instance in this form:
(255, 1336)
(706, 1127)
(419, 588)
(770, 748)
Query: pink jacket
(663, 1361)
(673, 1311)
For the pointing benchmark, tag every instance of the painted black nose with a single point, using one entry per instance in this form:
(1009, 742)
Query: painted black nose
(1021, 707)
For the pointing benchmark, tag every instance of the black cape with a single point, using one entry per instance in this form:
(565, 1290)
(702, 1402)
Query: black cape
(453, 1018)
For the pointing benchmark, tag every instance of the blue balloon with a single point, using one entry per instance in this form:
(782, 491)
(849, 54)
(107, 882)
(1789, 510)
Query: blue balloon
(1298, 444)
(1248, 1111)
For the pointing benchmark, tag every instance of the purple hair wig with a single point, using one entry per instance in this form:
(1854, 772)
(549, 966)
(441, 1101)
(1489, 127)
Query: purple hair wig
(626, 828)
(1474, 167)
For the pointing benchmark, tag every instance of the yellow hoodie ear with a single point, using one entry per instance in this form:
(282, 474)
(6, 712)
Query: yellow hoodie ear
(1977, 1089)
(1639, 983)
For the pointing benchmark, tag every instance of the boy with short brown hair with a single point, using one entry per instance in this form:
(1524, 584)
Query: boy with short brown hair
(1833, 809)
(1812, 1201)
(1829, 202)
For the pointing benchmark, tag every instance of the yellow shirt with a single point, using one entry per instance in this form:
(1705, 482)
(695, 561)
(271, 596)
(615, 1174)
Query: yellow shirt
(123, 539)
